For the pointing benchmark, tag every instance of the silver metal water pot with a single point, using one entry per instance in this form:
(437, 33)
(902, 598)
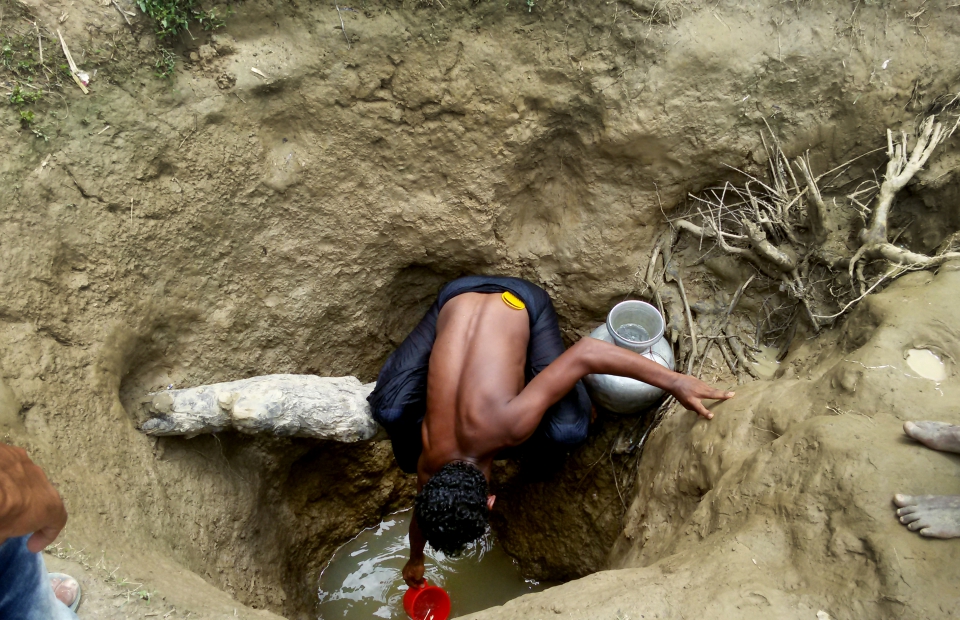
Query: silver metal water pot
(639, 327)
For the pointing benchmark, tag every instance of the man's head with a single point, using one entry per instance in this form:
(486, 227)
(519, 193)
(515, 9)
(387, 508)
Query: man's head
(453, 507)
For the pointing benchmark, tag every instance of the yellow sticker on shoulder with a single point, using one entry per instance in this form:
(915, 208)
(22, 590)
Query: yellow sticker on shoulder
(511, 300)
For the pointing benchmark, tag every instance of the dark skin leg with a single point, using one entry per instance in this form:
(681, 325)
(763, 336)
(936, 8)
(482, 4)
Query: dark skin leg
(477, 403)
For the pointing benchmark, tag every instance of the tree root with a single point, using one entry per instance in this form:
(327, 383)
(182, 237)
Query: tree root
(758, 239)
(780, 228)
(817, 215)
(900, 169)
(720, 237)
(737, 349)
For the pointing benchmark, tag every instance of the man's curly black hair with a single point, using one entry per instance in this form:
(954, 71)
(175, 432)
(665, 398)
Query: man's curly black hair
(451, 509)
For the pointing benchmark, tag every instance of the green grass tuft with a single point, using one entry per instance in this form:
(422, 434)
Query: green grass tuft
(166, 63)
(171, 17)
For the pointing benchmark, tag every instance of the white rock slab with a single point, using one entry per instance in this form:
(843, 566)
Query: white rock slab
(333, 408)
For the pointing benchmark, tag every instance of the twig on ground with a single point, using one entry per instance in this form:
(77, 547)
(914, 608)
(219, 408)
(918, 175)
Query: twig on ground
(342, 26)
(122, 13)
(39, 42)
(74, 71)
(729, 359)
(736, 298)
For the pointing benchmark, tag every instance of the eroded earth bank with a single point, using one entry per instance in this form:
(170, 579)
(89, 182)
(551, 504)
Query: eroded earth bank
(225, 223)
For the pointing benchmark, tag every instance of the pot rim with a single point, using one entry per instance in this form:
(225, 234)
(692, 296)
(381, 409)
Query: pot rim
(635, 344)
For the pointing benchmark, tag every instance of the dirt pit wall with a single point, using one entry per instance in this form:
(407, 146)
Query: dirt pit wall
(225, 224)
(781, 506)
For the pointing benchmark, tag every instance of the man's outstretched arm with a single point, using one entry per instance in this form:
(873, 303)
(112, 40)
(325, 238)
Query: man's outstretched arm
(592, 356)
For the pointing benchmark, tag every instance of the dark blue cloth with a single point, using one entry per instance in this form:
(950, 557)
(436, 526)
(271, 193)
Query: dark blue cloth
(25, 592)
(399, 401)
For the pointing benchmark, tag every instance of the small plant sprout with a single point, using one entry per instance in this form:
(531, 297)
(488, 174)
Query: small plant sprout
(166, 64)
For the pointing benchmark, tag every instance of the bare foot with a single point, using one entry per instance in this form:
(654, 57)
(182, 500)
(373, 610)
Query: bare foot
(936, 516)
(937, 435)
(65, 588)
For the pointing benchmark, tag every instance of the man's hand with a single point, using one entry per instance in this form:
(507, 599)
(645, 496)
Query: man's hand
(28, 502)
(689, 391)
(413, 573)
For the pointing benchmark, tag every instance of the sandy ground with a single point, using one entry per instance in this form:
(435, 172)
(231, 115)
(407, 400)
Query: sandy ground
(108, 593)
(223, 224)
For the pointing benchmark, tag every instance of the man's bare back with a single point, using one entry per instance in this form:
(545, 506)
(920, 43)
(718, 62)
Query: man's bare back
(476, 368)
(478, 402)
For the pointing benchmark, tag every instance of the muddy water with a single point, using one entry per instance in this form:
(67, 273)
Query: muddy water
(925, 363)
(765, 361)
(363, 578)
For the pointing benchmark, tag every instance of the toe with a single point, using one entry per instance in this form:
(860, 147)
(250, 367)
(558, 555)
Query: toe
(65, 589)
(903, 500)
(909, 428)
(917, 524)
(909, 518)
(935, 532)
(906, 510)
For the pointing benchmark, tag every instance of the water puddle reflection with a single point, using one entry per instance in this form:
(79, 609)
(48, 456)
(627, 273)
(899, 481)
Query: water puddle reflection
(363, 580)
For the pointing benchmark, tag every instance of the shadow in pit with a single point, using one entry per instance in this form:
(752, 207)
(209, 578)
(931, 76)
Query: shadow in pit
(260, 516)
(560, 523)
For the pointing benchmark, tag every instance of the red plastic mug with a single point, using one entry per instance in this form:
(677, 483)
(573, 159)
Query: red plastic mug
(427, 603)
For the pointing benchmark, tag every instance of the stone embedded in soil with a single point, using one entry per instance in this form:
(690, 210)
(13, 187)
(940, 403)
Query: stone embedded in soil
(332, 408)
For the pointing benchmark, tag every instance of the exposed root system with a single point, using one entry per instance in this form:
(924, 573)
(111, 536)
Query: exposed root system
(781, 229)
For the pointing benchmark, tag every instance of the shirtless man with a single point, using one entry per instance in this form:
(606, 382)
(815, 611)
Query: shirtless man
(479, 400)
(936, 516)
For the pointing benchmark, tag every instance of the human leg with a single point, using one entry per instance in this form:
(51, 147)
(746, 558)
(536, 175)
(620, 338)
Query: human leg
(25, 591)
(935, 516)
